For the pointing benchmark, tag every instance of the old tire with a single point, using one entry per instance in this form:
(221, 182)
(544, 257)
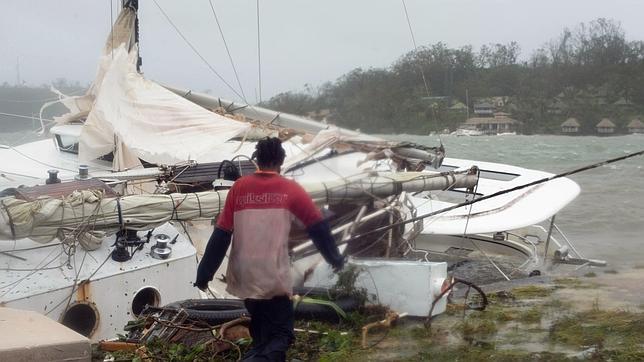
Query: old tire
(212, 311)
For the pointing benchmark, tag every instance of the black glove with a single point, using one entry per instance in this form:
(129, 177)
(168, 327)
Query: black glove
(201, 284)
(320, 233)
(339, 265)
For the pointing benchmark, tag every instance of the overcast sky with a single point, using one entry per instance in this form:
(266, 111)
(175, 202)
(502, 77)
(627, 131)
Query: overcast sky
(302, 41)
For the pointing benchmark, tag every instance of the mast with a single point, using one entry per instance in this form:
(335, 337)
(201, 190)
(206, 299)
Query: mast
(134, 5)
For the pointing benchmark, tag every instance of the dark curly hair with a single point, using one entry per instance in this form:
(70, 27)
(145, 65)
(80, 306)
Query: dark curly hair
(269, 153)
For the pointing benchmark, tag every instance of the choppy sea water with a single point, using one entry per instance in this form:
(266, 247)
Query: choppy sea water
(606, 221)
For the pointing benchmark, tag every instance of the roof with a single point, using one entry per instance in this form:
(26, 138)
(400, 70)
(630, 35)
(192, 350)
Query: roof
(491, 120)
(605, 123)
(622, 102)
(571, 122)
(636, 123)
(483, 105)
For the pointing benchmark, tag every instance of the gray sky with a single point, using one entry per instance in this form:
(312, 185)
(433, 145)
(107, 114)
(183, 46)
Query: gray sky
(303, 41)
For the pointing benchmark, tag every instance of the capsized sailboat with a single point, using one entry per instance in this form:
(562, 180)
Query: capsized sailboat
(155, 146)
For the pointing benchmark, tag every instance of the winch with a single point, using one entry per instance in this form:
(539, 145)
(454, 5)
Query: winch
(161, 250)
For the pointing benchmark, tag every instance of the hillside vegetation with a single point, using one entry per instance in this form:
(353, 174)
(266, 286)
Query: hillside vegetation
(589, 73)
(17, 101)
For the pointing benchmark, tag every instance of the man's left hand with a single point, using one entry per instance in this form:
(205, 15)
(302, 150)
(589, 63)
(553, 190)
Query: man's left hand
(202, 285)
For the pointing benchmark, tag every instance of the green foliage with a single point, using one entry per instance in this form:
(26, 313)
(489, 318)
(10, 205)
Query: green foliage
(346, 284)
(589, 72)
(328, 343)
(157, 350)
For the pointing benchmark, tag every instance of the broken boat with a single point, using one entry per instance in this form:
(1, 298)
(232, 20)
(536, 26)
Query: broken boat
(129, 166)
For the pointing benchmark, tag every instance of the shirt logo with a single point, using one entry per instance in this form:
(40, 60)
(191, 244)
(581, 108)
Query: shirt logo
(265, 198)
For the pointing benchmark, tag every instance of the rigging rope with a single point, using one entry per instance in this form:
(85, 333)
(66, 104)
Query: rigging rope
(502, 192)
(259, 57)
(111, 30)
(26, 117)
(466, 237)
(413, 39)
(230, 57)
(212, 69)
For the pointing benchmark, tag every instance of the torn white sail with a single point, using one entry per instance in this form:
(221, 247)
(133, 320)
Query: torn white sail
(140, 119)
(135, 118)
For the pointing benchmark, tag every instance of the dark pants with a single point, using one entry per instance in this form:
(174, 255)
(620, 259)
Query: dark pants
(271, 328)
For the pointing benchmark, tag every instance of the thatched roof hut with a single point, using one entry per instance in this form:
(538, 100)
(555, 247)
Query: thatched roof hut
(605, 126)
(571, 122)
(635, 126)
(571, 125)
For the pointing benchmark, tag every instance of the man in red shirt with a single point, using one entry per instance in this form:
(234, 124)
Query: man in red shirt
(257, 214)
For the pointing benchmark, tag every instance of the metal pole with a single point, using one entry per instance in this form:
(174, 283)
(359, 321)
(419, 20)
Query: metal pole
(467, 103)
(552, 225)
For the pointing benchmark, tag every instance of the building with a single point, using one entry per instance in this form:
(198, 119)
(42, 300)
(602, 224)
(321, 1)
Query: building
(635, 126)
(500, 123)
(484, 109)
(459, 107)
(570, 126)
(606, 126)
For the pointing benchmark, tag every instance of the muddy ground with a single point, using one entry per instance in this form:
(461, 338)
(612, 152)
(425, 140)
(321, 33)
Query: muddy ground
(570, 315)
(587, 314)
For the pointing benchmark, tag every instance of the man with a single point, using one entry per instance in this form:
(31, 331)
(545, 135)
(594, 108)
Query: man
(258, 212)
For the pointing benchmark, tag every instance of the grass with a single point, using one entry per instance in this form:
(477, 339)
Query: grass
(532, 291)
(590, 275)
(532, 315)
(508, 330)
(486, 353)
(573, 283)
(497, 313)
(471, 327)
(601, 328)
(516, 321)
(611, 271)
(328, 345)
(558, 304)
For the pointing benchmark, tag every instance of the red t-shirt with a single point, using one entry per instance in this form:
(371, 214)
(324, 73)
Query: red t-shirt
(259, 210)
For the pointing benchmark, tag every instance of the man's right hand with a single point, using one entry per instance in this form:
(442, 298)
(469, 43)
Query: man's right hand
(340, 265)
(320, 234)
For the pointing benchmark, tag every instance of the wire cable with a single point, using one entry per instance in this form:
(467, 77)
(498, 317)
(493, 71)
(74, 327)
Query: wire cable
(502, 192)
(26, 117)
(111, 30)
(259, 56)
(212, 69)
(230, 57)
(413, 40)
